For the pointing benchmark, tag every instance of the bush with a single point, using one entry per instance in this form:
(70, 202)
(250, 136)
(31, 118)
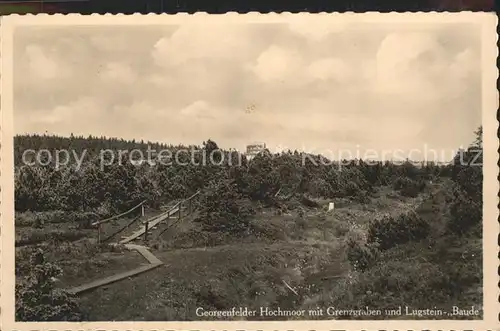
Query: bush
(84, 220)
(38, 300)
(225, 210)
(361, 256)
(389, 232)
(408, 187)
(392, 284)
(465, 213)
(39, 219)
(36, 237)
(341, 228)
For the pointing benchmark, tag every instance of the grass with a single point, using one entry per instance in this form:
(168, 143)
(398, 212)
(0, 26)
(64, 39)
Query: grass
(439, 272)
(81, 261)
(213, 278)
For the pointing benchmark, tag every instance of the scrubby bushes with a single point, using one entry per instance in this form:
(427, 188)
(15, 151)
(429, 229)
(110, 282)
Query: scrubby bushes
(409, 187)
(224, 209)
(37, 237)
(361, 256)
(465, 213)
(110, 189)
(40, 219)
(467, 198)
(38, 300)
(389, 231)
(391, 284)
(115, 187)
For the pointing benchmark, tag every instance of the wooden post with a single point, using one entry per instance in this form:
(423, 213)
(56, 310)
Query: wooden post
(142, 210)
(99, 234)
(190, 206)
(146, 231)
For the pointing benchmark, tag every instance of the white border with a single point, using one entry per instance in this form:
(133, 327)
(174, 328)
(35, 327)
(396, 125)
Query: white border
(488, 21)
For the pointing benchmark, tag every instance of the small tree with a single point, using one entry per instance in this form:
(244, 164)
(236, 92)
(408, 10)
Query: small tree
(225, 210)
(37, 299)
(389, 231)
(465, 213)
(362, 256)
(479, 137)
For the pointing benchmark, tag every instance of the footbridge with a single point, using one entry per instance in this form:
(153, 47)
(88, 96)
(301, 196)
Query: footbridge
(143, 228)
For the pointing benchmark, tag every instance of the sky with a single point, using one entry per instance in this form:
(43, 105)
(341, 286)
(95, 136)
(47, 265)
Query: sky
(321, 88)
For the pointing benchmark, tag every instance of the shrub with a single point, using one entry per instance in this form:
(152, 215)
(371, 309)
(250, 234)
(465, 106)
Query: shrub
(62, 235)
(36, 237)
(341, 228)
(38, 223)
(389, 232)
(465, 213)
(408, 187)
(84, 220)
(362, 197)
(38, 300)
(361, 256)
(225, 210)
(38, 219)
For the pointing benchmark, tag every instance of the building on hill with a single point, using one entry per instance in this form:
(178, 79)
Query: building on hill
(254, 149)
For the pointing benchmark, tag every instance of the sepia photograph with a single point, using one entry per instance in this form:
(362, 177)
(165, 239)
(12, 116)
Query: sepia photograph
(315, 168)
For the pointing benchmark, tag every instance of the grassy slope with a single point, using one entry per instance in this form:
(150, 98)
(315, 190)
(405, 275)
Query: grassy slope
(439, 272)
(81, 261)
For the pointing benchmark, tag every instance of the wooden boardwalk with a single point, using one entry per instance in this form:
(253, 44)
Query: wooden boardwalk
(153, 260)
(112, 279)
(151, 223)
(144, 251)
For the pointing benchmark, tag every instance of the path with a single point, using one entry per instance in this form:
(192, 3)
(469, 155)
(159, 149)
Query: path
(153, 260)
(144, 251)
(151, 223)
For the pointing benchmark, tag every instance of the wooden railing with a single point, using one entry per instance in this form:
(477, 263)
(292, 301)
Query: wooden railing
(177, 208)
(99, 223)
(120, 215)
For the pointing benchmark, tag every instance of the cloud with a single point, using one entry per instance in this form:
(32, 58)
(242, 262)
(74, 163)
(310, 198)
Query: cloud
(417, 65)
(201, 42)
(278, 64)
(315, 86)
(83, 111)
(465, 64)
(399, 61)
(329, 68)
(41, 64)
(110, 43)
(117, 72)
(319, 29)
(287, 66)
(199, 109)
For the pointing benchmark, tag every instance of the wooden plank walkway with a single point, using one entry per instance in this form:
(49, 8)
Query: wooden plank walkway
(112, 279)
(145, 253)
(153, 260)
(151, 223)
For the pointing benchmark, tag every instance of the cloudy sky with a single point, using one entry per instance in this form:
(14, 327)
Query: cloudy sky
(300, 86)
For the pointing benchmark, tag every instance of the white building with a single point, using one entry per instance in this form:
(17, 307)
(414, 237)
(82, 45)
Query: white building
(254, 149)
